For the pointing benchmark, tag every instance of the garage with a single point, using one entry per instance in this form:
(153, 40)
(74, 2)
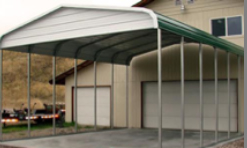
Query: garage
(171, 97)
(82, 33)
(85, 107)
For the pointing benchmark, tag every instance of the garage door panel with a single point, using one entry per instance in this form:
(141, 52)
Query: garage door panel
(168, 110)
(105, 101)
(209, 123)
(103, 121)
(169, 122)
(192, 110)
(223, 97)
(223, 110)
(223, 124)
(86, 120)
(171, 102)
(191, 123)
(86, 106)
(86, 111)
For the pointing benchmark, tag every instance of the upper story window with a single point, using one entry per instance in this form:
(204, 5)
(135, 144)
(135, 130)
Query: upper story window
(229, 26)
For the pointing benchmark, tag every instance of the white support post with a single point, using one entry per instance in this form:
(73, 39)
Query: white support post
(28, 91)
(182, 94)
(229, 94)
(54, 94)
(75, 96)
(201, 94)
(239, 83)
(127, 96)
(216, 95)
(1, 92)
(159, 86)
(95, 95)
(112, 95)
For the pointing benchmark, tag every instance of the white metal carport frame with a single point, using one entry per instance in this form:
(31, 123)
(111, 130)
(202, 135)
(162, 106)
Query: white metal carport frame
(158, 27)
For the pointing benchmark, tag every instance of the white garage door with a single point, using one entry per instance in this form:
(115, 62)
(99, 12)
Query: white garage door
(86, 106)
(172, 105)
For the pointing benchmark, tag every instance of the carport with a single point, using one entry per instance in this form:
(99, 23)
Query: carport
(116, 36)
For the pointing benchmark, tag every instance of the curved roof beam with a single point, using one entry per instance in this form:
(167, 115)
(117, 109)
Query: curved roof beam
(97, 54)
(79, 49)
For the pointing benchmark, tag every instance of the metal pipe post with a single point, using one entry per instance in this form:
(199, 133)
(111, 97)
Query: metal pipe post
(54, 94)
(28, 91)
(201, 94)
(216, 95)
(112, 94)
(160, 86)
(75, 95)
(127, 96)
(182, 93)
(239, 82)
(1, 91)
(95, 95)
(229, 94)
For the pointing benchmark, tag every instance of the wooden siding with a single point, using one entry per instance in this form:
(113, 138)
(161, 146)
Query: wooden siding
(201, 12)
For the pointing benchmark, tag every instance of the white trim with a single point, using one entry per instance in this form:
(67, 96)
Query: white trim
(226, 26)
(131, 9)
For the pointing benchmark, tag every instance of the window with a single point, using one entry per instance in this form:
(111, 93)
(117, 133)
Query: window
(234, 25)
(229, 26)
(219, 27)
(178, 2)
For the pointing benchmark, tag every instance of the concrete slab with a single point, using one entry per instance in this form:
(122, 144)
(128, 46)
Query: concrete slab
(127, 138)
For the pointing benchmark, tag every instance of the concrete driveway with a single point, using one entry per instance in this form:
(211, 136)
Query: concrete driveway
(125, 138)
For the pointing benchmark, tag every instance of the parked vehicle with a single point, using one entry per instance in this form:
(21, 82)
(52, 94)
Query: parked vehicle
(37, 115)
(46, 115)
(9, 116)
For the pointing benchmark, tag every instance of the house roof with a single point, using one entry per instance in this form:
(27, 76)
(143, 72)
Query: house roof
(60, 79)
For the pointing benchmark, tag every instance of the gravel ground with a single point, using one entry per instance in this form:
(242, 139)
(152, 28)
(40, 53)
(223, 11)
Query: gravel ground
(237, 144)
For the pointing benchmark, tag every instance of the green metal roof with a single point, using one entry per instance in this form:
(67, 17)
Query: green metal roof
(193, 33)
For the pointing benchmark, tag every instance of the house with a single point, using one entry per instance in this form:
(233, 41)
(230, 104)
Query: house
(222, 18)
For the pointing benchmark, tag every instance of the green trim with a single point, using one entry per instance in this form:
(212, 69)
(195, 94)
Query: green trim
(187, 31)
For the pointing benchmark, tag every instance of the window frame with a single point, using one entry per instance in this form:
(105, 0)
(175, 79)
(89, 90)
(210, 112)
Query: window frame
(226, 25)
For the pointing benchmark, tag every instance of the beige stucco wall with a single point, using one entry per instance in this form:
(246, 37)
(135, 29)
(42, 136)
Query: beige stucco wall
(144, 67)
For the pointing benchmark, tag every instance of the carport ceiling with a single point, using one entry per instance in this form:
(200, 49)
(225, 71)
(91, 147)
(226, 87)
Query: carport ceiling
(113, 35)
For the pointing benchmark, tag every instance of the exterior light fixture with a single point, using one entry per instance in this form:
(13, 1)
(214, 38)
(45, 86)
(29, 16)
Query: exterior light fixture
(182, 7)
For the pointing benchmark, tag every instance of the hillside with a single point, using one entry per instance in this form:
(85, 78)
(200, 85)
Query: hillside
(15, 79)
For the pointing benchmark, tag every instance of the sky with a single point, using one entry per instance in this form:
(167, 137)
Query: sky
(16, 12)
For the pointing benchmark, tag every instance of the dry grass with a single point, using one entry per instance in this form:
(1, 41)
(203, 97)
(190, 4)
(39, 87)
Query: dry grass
(15, 79)
(236, 144)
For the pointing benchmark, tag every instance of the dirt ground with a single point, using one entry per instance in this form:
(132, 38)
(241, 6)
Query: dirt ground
(237, 144)
(44, 132)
